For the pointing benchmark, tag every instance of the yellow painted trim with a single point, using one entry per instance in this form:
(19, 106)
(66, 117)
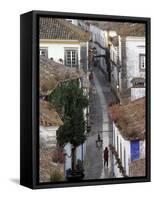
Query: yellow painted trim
(59, 41)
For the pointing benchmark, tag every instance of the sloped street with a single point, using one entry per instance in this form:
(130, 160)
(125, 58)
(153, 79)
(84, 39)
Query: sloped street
(101, 96)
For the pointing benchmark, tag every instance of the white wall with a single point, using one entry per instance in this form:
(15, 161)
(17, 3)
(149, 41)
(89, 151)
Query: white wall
(134, 47)
(48, 136)
(142, 149)
(137, 93)
(98, 35)
(125, 144)
(68, 160)
(56, 50)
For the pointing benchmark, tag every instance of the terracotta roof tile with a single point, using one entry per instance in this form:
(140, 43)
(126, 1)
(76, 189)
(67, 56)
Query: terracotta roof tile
(53, 73)
(137, 168)
(55, 28)
(122, 28)
(48, 115)
(130, 119)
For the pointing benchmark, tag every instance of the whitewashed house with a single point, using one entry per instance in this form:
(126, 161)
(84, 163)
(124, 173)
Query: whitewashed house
(129, 138)
(130, 59)
(133, 60)
(64, 42)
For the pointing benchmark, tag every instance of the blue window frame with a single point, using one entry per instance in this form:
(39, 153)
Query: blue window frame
(135, 150)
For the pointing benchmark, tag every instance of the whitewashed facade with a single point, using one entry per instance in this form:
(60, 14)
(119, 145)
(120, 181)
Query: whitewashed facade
(114, 62)
(123, 148)
(133, 62)
(100, 42)
(57, 50)
(135, 47)
(137, 93)
(48, 136)
(80, 154)
(129, 58)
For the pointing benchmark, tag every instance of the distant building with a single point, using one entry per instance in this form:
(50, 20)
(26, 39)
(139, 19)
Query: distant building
(64, 42)
(115, 58)
(129, 60)
(99, 43)
(132, 61)
(119, 51)
(129, 138)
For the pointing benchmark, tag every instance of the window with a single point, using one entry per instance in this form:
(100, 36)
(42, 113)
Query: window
(138, 82)
(135, 150)
(142, 61)
(44, 52)
(71, 57)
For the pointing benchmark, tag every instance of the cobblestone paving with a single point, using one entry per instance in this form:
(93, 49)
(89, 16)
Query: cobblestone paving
(100, 98)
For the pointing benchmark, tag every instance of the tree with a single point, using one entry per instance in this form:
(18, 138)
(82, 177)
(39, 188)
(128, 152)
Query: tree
(70, 100)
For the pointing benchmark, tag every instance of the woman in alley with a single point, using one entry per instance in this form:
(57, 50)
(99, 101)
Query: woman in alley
(106, 156)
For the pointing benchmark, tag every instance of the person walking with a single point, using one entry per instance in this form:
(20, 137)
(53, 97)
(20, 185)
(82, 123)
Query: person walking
(106, 156)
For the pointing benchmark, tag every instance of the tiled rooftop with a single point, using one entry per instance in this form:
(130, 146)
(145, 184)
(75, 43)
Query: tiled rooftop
(130, 119)
(48, 115)
(53, 73)
(122, 28)
(55, 28)
(137, 168)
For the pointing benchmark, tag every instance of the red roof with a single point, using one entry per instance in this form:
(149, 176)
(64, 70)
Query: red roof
(130, 119)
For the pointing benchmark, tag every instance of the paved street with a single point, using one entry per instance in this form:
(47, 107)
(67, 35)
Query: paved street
(93, 162)
(100, 98)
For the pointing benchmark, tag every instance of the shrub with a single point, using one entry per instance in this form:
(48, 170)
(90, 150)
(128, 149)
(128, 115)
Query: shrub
(56, 176)
(58, 156)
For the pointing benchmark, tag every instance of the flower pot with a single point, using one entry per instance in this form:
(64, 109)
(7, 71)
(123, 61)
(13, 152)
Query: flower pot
(74, 175)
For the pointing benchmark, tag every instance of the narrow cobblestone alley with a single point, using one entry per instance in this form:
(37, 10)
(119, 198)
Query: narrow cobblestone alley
(100, 97)
(93, 158)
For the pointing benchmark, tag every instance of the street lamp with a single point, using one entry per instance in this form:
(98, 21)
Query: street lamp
(99, 142)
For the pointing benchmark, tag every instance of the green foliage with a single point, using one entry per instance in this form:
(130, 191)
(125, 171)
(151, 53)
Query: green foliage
(56, 176)
(70, 101)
